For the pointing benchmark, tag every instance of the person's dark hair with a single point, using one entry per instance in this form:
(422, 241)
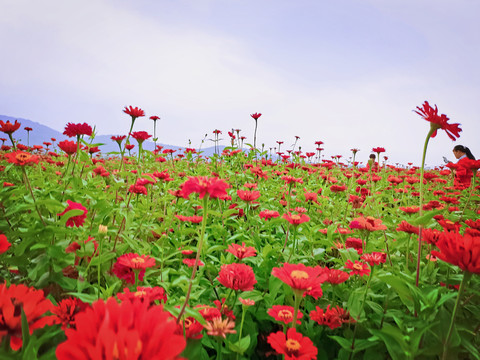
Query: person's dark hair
(373, 156)
(465, 150)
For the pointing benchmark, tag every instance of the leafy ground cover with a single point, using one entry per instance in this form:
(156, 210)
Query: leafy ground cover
(144, 255)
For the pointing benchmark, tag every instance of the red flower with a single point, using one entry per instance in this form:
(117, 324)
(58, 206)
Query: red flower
(409, 209)
(13, 299)
(378, 150)
(302, 279)
(154, 118)
(358, 268)
(408, 228)
(237, 277)
(268, 214)
(191, 262)
(328, 317)
(140, 136)
(296, 219)
(438, 122)
(119, 138)
(241, 251)
(77, 220)
(336, 276)
(68, 146)
(247, 195)
(8, 127)
(368, 223)
(460, 250)
(145, 294)
(137, 189)
(193, 219)
(256, 116)
(4, 244)
(191, 327)
(130, 330)
(293, 345)
(21, 158)
(27, 128)
(67, 309)
(374, 258)
(202, 185)
(72, 130)
(219, 327)
(134, 112)
(284, 314)
(125, 264)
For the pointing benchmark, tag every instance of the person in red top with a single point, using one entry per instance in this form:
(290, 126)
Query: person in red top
(372, 163)
(463, 173)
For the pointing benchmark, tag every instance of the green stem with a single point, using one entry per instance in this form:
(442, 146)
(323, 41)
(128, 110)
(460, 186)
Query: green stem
(29, 187)
(298, 300)
(466, 278)
(197, 258)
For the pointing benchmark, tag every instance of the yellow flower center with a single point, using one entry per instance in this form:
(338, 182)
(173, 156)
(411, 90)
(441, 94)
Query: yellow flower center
(188, 323)
(299, 274)
(22, 157)
(138, 260)
(292, 345)
(116, 354)
(358, 267)
(285, 314)
(296, 217)
(140, 293)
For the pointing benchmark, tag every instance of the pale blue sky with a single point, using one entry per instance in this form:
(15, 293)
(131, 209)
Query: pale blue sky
(345, 72)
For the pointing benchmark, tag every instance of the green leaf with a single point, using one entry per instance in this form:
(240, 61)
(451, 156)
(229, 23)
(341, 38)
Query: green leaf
(241, 345)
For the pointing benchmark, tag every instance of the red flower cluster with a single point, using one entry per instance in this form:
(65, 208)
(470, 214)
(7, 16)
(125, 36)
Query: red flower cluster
(302, 279)
(77, 220)
(145, 294)
(293, 345)
(202, 185)
(13, 299)
(130, 330)
(72, 130)
(438, 122)
(237, 277)
(127, 263)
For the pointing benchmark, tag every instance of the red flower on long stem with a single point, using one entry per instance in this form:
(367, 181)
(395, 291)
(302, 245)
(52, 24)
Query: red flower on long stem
(241, 251)
(8, 127)
(357, 267)
(296, 219)
(21, 158)
(202, 185)
(438, 121)
(284, 314)
(247, 195)
(140, 136)
(293, 345)
(134, 112)
(72, 130)
(303, 279)
(68, 146)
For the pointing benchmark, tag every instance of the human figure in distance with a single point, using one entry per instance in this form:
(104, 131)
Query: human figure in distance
(463, 172)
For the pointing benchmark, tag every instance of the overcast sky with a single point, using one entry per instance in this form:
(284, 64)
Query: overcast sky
(346, 72)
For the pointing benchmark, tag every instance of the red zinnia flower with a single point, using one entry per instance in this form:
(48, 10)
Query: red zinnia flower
(140, 136)
(214, 187)
(296, 219)
(358, 268)
(77, 129)
(154, 118)
(13, 299)
(374, 258)
(284, 313)
(137, 189)
(77, 220)
(219, 327)
(119, 138)
(237, 277)
(378, 150)
(268, 214)
(408, 228)
(336, 276)
(134, 112)
(8, 127)
(241, 251)
(438, 122)
(130, 330)
(460, 250)
(256, 116)
(368, 223)
(145, 294)
(293, 345)
(191, 327)
(4, 244)
(68, 146)
(193, 219)
(247, 195)
(328, 317)
(67, 309)
(303, 279)
(125, 265)
(191, 262)
(21, 158)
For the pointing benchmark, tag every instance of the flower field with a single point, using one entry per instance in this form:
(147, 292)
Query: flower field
(165, 254)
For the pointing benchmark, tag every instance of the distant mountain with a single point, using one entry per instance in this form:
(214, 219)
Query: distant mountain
(42, 133)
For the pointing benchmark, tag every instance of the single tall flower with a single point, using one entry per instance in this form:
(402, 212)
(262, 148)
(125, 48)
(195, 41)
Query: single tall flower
(241, 251)
(296, 219)
(21, 158)
(284, 314)
(72, 130)
(68, 146)
(134, 112)
(302, 279)
(247, 195)
(8, 127)
(202, 185)
(255, 117)
(438, 122)
(129, 330)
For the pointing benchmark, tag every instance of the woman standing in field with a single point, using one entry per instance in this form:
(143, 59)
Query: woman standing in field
(464, 172)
